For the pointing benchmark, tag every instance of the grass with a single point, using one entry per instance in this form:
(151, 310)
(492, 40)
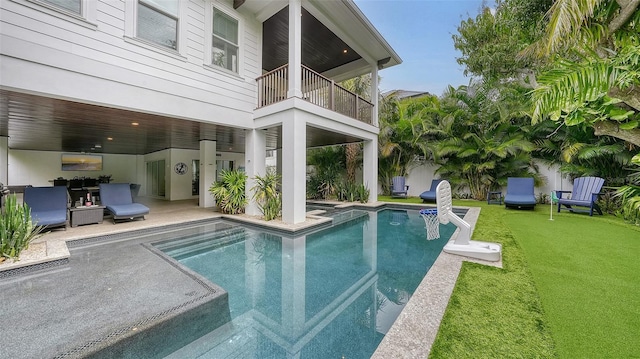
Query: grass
(568, 289)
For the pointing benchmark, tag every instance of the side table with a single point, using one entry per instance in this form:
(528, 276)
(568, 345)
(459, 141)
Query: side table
(494, 197)
(86, 215)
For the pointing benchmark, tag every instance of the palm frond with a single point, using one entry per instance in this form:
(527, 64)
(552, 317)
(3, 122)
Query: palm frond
(571, 85)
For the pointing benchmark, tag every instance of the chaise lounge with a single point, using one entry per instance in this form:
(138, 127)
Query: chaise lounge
(584, 194)
(116, 197)
(520, 193)
(48, 205)
(430, 195)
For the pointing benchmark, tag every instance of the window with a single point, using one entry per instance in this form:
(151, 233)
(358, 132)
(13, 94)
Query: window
(225, 41)
(158, 22)
(74, 6)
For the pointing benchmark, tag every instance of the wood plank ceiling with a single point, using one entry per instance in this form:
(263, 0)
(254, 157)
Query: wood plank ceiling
(322, 50)
(46, 124)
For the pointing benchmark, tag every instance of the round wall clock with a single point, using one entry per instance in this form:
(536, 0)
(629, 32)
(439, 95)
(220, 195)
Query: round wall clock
(180, 168)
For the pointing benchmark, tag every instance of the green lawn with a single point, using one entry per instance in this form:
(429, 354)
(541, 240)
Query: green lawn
(569, 289)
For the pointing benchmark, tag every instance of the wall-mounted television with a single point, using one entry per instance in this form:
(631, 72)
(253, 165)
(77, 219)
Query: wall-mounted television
(81, 162)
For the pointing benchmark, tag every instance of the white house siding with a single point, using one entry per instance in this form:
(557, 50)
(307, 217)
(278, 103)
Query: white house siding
(97, 63)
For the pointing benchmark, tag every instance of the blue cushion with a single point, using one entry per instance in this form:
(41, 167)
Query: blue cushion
(117, 198)
(47, 218)
(115, 193)
(48, 205)
(519, 199)
(128, 210)
(520, 192)
(428, 195)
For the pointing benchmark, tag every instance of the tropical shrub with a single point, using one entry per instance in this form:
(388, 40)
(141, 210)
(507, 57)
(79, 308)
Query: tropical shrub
(351, 192)
(16, 228)
(266, 194)
(329, 167)
(229, 193)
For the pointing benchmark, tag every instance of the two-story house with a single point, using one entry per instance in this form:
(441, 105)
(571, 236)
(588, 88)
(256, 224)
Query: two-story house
(167, 93)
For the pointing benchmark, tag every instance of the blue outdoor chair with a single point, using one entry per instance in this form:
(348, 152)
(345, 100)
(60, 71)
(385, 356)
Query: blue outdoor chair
(48, 205)
(584, 194)
(520, 193)
(430, 195)
(398, 187)
(118, 200)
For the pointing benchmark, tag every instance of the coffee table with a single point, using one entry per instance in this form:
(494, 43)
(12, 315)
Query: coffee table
(86, 215)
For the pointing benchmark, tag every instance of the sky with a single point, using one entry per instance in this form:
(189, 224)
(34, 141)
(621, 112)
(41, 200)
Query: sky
(420, 32)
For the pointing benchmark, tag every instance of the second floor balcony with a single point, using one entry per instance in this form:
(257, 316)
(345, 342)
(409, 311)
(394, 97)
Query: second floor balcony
(317, 89)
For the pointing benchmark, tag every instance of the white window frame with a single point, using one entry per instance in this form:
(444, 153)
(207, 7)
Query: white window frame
(86, 17)
(208, 48)
(131, 29)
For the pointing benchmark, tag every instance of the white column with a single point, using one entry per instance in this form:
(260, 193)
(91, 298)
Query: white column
(294, 162)
(4, 160)
(255, 154)
(295, 48)
(374, 94)
(207, 172)
(141, 175)
(370, 168)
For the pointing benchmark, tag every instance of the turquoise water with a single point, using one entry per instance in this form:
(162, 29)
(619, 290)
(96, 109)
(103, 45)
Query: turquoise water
(329, 294)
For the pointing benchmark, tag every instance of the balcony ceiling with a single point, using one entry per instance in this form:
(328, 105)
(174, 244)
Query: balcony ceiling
(45, 124)
(322, 50)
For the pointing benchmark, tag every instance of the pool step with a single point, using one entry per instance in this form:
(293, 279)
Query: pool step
(181, 248)
(343, 217)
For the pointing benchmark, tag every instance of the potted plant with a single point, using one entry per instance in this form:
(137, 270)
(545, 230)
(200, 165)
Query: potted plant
(229, 192)
(16, 228)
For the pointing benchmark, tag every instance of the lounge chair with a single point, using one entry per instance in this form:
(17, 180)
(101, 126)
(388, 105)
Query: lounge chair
(48, 205)
(584, 194)
(398, 187)
(520, 193)
(116, 197)
(430, 195)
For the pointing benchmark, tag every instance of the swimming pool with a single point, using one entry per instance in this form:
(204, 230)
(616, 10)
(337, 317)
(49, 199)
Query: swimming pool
(330, 293)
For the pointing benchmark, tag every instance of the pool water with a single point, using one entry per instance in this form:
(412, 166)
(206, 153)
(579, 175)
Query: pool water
(329, 294)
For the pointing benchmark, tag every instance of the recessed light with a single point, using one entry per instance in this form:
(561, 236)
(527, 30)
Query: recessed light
(109, 138)
(98, 146)
(134, 124)
(344, 51)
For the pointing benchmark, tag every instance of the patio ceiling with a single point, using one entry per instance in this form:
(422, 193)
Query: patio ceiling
(45, 124)
(322, 50)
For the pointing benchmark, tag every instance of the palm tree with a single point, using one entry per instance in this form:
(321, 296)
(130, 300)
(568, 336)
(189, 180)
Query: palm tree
(401, 139)
(482, 140)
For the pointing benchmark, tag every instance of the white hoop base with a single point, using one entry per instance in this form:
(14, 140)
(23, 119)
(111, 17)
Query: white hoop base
(475, 249)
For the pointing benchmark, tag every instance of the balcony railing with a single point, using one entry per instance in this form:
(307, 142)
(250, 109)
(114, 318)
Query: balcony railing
(317, 89)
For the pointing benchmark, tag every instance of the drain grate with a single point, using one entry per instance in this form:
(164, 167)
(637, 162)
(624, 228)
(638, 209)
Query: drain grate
(33, 268)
